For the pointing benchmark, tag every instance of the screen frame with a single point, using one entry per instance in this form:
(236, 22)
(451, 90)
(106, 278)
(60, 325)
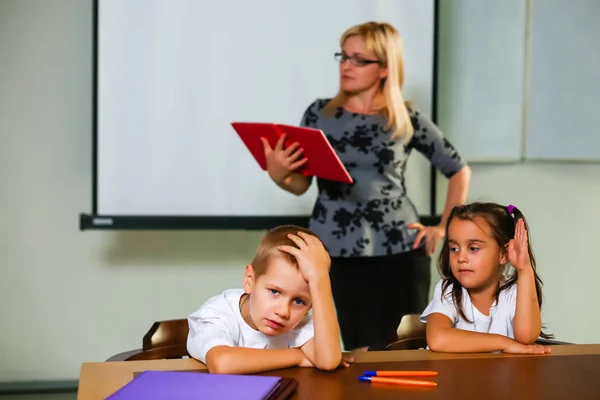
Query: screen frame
(94, 221)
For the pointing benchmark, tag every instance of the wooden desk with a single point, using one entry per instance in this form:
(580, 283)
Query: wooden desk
(570, 372)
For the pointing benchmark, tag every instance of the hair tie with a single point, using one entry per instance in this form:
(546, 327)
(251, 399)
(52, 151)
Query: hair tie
(510, 209)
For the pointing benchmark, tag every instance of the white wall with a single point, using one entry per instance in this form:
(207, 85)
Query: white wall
(559, 200)
(68, 297)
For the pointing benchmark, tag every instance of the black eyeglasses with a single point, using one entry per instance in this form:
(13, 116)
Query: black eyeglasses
(354, 60)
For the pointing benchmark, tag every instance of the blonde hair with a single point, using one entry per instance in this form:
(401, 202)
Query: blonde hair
(267, 248)
(385, 41)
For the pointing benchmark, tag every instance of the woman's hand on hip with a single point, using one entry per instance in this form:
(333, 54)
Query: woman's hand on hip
(431, 234)
(282, 162)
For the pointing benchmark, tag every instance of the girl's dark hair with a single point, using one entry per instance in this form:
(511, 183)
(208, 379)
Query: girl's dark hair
(502, 222)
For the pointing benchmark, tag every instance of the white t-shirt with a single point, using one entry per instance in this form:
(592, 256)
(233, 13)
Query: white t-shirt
(499, 320)
(219, 323)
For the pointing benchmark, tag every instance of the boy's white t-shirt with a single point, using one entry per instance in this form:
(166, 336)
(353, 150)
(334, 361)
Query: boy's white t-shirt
(499, 320)
(218, 322)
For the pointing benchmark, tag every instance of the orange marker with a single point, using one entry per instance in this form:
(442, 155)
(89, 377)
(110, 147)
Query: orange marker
(397, 381)
(400, 373)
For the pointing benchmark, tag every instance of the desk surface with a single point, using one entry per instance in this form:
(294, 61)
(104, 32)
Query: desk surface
(571, 371)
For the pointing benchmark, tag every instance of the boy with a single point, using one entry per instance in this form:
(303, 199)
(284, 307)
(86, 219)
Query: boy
(266, 325)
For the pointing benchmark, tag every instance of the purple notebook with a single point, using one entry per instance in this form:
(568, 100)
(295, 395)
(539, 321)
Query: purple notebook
(162, 385)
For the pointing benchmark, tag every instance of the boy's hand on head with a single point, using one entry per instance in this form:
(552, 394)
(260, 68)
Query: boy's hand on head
(518, 248)
(324, 349)
(313, 259)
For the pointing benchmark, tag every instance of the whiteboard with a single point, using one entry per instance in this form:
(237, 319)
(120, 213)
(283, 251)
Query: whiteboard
(173, 75)
(563, 114)
(481, 77)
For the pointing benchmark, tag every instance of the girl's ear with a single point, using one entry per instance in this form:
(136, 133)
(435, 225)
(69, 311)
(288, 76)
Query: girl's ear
(248, 278)
(504, 255)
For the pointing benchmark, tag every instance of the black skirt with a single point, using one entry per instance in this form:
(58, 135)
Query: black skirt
(371, 295)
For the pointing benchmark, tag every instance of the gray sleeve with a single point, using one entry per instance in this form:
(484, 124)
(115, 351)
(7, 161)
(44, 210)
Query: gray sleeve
(429, 141)
(311, 116)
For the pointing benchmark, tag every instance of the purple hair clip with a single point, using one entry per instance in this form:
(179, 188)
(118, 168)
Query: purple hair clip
(510, 209)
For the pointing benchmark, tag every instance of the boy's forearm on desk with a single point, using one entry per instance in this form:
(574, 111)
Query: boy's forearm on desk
(327, 348)
(241, 360)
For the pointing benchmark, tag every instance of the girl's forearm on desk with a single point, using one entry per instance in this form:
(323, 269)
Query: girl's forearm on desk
(453, 340)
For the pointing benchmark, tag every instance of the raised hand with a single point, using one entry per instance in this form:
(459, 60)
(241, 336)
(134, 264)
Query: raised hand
(518, 248)
(313, 259)
(282, 162)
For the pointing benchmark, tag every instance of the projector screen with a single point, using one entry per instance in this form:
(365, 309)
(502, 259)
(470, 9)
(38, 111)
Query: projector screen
(171, 76)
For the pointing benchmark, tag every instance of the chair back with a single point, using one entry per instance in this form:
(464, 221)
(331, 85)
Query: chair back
(415, 343)
(164, 340)
(166, 333)
(410, 326)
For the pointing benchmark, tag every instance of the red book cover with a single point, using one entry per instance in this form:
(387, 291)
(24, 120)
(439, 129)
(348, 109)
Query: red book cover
(322, 162)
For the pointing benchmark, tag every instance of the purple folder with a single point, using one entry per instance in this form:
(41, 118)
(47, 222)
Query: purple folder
(162, 385)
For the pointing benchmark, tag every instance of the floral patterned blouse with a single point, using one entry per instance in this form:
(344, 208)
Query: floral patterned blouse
(370, 216)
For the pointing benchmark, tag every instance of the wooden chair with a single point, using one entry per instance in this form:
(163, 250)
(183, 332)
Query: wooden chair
(165, 339)
(416, 343)
(410, 327)
(411, 334)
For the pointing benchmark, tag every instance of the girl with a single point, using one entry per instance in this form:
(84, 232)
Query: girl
(380, 253)
(477, 306)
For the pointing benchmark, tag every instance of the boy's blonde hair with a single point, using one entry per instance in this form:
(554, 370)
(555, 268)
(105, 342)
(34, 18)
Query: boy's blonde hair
(385, 41)
(267, 248)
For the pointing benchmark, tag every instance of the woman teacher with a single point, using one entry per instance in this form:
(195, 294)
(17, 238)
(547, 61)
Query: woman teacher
(380, 252)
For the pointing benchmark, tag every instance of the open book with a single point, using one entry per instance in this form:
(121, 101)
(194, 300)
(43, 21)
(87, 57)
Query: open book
(322, 162)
